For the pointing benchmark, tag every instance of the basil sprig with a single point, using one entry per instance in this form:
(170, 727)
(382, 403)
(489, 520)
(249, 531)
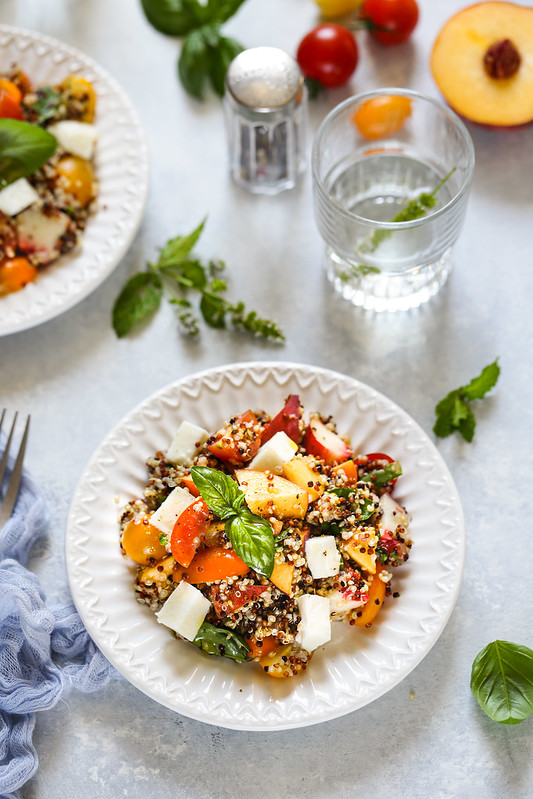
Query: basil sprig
(221, 641)
(454, 412)
(502, 681)
(23, 149)
(250, 535)
(205, 54)
(177, 272)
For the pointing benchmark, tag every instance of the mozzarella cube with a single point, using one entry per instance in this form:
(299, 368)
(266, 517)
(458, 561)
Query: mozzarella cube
(17, 196)
(167, 514)
(39, 233)
(315, 627)
(394, 515)
(185, 444)
(76, 138)
(323, 557)
(273, 455)
(184, 610)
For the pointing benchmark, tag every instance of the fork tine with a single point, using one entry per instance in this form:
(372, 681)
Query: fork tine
(3, 462)
(8, 503)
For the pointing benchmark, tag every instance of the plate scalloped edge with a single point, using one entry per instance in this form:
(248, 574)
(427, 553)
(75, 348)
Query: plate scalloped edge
(111, 230)
(345, 680)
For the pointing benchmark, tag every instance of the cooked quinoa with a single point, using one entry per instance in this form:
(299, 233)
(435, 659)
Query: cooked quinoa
(348, 509)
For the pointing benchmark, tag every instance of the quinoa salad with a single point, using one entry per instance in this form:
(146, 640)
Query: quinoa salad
(43, 215)
(252, 540)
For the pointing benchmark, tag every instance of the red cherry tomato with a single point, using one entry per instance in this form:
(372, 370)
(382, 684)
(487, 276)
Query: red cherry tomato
(328, 54)
(398, 17)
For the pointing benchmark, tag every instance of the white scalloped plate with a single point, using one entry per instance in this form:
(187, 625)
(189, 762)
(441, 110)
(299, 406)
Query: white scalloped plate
(121, 163)
(358, 665)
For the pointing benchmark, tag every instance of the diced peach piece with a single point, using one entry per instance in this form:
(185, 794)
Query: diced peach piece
(300, 471)
(357, 550)
(270, 495)
(349, 469)
(281, 576)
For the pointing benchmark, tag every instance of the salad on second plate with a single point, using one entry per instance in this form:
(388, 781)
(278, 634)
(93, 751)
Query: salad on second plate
(250, 541)
(43, 214)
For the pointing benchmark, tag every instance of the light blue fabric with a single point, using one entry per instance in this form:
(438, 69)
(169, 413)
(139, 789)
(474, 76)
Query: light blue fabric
(42, 650)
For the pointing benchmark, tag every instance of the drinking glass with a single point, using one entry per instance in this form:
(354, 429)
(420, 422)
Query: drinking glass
(391, 174)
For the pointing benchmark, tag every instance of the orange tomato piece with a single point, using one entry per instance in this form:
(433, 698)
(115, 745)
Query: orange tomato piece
(261, 648)
(76, 177)
(188, 483)
(349, 469)
(15, 273)
(210, 565)
(374, 603)
(381, 116)
(11, 88)
(238, 441)
(189, 531)
(9, 108)
(140, 542)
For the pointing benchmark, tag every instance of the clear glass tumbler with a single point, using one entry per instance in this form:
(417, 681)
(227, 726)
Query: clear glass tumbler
(391, 174)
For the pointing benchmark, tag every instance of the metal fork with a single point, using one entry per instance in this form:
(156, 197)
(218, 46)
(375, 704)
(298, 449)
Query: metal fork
(10, 497)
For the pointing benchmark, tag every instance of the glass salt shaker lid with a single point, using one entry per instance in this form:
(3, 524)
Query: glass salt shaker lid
(265, 106)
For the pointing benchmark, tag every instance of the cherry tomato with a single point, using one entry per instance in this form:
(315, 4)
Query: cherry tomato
(328, 54)
(15, 273)
(189, 530)
(337, 8)
(141, 542)
(398, 17)
(381, 116)
(9, 107)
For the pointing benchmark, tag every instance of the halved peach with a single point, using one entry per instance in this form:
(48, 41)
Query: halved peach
(482, 62)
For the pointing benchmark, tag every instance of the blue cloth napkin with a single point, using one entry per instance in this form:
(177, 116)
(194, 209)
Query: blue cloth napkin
(42, 650)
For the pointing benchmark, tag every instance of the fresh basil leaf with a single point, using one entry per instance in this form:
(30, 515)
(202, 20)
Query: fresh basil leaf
(467, 425)
(252, 538)
(46, 104)
(173, 17)
(221, 641)
(220, 57)
(23, 149)
(177, 249)
(213, 310)
(363, 507)
(193, 63)
(478, 387)
(502, 681)
(140, 296)
(380, 477)
(219, 491)
(222, 10)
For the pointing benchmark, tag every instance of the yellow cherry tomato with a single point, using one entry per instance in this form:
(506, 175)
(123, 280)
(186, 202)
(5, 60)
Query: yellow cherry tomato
(82, 90)
(76, 177)
(381, 116)
(15, 273)
(337, 8)
(140, 542)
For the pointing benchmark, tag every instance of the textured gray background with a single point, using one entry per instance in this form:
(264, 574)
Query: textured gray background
(426, 737)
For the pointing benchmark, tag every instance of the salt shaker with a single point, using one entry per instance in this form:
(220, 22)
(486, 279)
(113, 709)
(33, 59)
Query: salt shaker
(265, 107)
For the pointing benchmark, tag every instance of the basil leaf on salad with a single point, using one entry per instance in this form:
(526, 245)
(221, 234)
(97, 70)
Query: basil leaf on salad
(363, 507)
(380, 477)
(219, 491)
(502, 681)
(46, 105)
(252, 538)
(221, 641)
(140, 296)
(23, 149)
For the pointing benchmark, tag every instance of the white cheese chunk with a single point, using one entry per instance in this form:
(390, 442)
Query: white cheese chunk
(273, 455)
(315, 627)
(167, 514)
(323, 557)
(184, 610)
(17, 196)
(76, 138)
(185, 444)
(39, 233)
(393, 514)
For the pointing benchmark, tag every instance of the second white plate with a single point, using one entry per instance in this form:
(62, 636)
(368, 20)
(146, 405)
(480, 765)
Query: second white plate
(359, 665)
(121, 163)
